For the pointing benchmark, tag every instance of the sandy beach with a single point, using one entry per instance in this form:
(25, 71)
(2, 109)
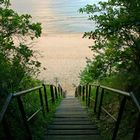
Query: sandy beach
(63, 50)
(63, 56)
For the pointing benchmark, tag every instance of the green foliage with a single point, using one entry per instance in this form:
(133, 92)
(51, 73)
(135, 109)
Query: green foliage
(116, 61)
(111, 103)
(117, 38)
(17, 59)
(38, 124)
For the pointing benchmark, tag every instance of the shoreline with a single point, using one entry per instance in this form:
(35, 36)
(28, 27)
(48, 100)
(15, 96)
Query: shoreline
(56, 34)
(63, 56)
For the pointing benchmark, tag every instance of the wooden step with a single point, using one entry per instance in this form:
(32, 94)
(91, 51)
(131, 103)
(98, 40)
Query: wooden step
(72, 127)
(71, 116)
(70, 119)
(72, 132)
(71, 122)
(73, 137)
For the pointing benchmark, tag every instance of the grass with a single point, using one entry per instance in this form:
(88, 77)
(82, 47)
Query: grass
(106, 125)
(38, 124)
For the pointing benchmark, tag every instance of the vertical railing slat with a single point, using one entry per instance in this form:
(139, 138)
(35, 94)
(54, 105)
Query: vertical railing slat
(136, 135)
(89, 95)
(79, 91)
(121, 110)
(83, 94)
(6, 129)
(96, 99)
(23, 114)
(56, 96)
(46, 98)
(52, 93)
(101, 102)
(41, 102)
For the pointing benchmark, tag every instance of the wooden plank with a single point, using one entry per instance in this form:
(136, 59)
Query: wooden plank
(71, 113)
(70, 116)
(73, 132)
(71, 122)
(73, 137)
(70, 109)
(72, 127)
(74, 106)
(70, 119)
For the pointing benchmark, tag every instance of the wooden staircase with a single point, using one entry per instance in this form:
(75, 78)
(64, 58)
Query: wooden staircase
(71, 122)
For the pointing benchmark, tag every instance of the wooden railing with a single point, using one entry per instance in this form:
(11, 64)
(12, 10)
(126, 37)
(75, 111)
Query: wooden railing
(56, 92)
(84, 92)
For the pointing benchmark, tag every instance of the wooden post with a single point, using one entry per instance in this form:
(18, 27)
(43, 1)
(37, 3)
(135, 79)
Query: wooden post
(41, 102)
(89, 95)
(96, 99)
(136, 135)
(76, 92)
(56, 93)
(46, 98)
(101, 102)
(58, 89)
(52, 93)
(83, 95)
(121, 110)
(62, 94)
(79, 92)
(23, 114)
(6, 129)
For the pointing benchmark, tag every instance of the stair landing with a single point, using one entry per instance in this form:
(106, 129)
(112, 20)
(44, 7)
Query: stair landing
(71, 122)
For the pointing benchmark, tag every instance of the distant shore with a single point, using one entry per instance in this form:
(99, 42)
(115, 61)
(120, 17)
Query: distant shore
(63, 56)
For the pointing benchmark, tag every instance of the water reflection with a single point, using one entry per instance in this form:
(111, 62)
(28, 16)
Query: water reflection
(56, 15)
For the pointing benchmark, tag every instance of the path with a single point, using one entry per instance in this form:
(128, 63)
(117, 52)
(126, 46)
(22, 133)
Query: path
(71, 123)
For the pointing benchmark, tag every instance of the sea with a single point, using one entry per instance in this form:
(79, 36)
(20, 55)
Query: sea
(57, 16)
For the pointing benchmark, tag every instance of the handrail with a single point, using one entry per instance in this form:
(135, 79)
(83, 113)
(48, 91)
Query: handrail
(18, 96)
(94, 85)
(112, 89)
(5, 106)
(83, 92)
(26, 91)
(116, 90)
(135, 101)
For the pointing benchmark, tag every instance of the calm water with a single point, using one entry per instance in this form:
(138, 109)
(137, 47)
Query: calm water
(56, 16)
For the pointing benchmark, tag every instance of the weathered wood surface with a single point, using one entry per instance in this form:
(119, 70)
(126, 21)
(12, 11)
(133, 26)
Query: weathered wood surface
(71, 122)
